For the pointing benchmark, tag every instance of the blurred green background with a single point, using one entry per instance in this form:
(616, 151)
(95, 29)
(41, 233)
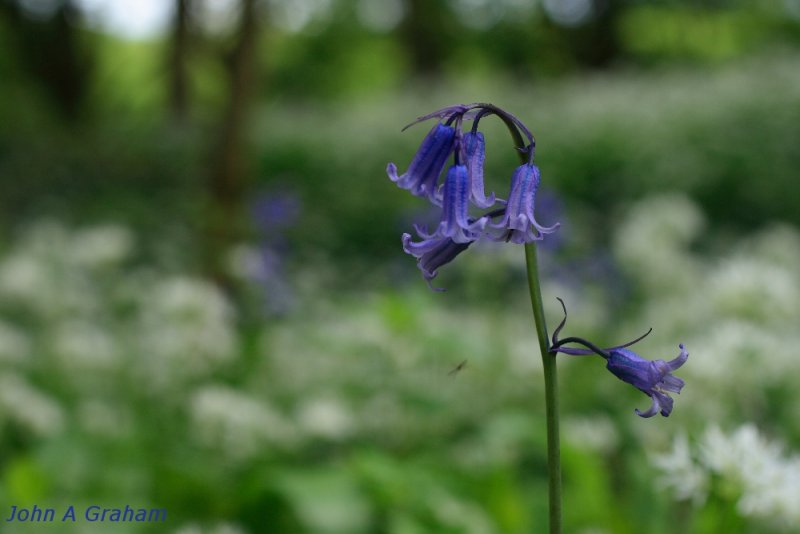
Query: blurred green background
(204, 304)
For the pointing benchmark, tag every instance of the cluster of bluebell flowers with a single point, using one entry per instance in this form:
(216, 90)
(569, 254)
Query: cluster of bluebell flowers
(510, 220)
(463, 188)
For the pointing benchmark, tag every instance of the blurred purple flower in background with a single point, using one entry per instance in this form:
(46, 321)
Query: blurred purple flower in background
(273, 213)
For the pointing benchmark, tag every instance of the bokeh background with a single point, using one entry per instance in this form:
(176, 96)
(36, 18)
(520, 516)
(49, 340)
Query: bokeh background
(204, 305)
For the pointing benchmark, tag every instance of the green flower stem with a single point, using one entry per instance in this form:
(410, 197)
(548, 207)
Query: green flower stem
(550, 392)
(548, 365)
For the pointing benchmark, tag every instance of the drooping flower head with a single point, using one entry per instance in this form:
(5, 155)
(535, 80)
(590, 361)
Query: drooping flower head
(519, 221)
(653, 378)
(455, 222)
(474, 147)
(432, 253)
(423, 172)
(463, 185)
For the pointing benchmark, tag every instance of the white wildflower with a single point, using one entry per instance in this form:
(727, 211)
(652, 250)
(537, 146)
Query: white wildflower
(186, 330)
(25, 278)
(769, 481)
(651, 240)
(82, 346)
(14, 345)
(237, 424)
(31, 409)
(326, 417)
(747, 355)
(778, 245)
(765, 479)
(100, 246)
(596, 433)
(750, 288)
(687, 479)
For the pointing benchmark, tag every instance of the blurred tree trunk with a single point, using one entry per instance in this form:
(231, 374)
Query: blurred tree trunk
(228, 177)
(178, 76)
(424, 33)
(597, 44)
(52, 54)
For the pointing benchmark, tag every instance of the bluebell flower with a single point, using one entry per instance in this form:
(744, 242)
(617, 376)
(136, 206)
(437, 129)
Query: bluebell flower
(475, 155)
(455, 221)
(432, 253)
(463, 186)
(428, 163)
(519, 222)
(653, 378)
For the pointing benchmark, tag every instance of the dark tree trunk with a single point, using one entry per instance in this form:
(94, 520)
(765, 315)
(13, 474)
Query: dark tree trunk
(51, 53)
(424, 33)
(179, 50)
(228, 176)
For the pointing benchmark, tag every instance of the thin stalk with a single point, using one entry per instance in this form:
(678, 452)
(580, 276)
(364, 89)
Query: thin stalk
(548, 366)
(550, 392)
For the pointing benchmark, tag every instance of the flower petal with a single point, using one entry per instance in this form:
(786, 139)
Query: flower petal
(654, 408)
(680, 360)
(671, 383)
(429, 161)
(475, 150)
(432, 254)
(455, 222)
(519, 214)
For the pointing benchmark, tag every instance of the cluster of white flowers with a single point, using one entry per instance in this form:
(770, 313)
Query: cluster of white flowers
(681, 473)
(15, 347)
(651, 243)
(54, 271)
(71, 306)
(81, 346)
(326, 418)
(80, 295)
(185, 330)
(237, 424)
(766, 479)
(28, 407)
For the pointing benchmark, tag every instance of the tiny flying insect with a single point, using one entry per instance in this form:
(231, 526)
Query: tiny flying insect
(457, 368)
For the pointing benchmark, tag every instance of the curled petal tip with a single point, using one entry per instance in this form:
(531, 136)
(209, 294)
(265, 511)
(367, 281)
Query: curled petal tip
(391, 170)
(654, 407)
(680, 359)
